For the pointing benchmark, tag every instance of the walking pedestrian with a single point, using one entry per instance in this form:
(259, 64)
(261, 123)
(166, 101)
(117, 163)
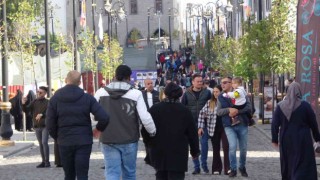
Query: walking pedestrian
(69, 123)
(38, 107)
(120, 139)
(176, 132)
(150, 97)
(237, 133)
(208, 119)
(195, 98)
(16, 110)
(294, 118)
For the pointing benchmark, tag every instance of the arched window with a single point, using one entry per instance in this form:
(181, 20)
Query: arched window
(158, 5)
(133, 7)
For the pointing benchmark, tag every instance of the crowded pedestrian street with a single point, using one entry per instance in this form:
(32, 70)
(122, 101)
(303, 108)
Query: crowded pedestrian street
(262, 162)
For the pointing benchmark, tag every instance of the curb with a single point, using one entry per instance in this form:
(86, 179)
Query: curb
(18, 147)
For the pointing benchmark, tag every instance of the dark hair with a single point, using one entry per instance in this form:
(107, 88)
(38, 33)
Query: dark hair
(195, 76)
(173, 91)
(123, 72)
(218, 87)
(43, 88)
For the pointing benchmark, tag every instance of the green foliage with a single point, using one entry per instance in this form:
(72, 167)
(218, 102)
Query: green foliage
(14, 6)
(61, 46)
(23, 32)
(88, 49)
(111, 57)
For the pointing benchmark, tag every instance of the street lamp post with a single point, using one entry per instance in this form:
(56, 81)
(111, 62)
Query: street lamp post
(96, 73)
(5, 129)
(52, 25)
(48, 62)
(75, 45)
(115, 14)
(170, 13)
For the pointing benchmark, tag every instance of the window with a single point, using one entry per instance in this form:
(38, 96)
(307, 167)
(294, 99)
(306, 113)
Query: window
(133, 7)
(268, 5)
(158, 5)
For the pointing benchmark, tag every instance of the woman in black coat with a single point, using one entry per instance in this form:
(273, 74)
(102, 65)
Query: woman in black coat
(295, 118)
(176, 131)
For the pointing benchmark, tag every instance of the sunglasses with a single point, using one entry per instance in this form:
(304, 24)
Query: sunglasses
(225, 82)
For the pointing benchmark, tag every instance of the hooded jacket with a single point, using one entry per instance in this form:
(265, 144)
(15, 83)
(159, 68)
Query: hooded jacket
(126, 106)
(68, 116)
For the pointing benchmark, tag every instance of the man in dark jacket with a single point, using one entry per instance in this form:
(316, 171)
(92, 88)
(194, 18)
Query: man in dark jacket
(68, 121)
(150, 97)
(195, 98)
(38, 108)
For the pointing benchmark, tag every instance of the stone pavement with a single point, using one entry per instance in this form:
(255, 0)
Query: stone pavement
(19, 163)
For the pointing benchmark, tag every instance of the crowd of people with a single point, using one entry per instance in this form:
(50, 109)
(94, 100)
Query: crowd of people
(174, 121)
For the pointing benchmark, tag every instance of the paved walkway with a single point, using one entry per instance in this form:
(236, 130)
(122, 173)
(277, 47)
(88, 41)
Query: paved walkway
(19, 162)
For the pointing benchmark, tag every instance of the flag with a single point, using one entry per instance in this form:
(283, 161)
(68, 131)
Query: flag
(247, 7)
(100, 26)
(308, 53)
(83, 20)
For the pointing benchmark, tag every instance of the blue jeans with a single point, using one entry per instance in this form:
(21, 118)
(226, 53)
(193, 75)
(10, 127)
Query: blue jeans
(120, 158)
(75, 160)
(204, 151)
(42, 135)
(234, 134)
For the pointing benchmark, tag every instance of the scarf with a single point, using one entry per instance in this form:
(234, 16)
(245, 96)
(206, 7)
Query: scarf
(292, 100)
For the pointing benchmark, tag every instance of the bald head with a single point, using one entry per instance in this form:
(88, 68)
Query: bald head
(148, 84)
(73, 77)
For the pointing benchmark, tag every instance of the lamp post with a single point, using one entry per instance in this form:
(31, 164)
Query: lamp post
(96, 73)
(51, 17)
(5, 129)
(172, 11)
(75, 45)
(48, 62)
(115, 14)
(148, 38)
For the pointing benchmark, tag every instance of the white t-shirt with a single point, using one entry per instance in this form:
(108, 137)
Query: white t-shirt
(150, 101)
(238, 94)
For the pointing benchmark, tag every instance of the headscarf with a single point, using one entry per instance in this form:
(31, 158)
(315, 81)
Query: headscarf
(292, 100)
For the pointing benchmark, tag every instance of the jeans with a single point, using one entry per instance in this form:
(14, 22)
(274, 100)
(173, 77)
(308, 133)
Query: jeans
(120, 158)
(204, 151)
(234, 134)
(43, 137)
(75, 161)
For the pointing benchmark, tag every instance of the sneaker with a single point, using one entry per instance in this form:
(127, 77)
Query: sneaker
(205, 170)
(216, 173)
(243, 172)
(41, 165)
(47, 165)
(233, 173)
(196, 171)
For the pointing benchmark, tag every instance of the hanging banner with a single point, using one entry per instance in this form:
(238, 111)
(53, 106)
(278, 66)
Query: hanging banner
(307, 52)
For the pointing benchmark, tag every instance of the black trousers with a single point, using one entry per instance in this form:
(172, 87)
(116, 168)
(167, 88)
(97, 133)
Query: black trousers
(75, 161)
(170, 175)
(57, 159)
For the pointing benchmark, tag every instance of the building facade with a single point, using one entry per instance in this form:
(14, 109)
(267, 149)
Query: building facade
(136, 18)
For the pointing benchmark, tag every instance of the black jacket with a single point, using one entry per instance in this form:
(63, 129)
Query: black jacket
(176, 131)
(155, 98)
(68, 116)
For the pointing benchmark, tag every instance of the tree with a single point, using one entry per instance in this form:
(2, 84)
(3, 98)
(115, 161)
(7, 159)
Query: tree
(22, 40)
(110, 57)
(88, 49)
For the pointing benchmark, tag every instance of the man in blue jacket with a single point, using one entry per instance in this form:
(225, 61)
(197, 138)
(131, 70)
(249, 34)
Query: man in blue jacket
(68, 121)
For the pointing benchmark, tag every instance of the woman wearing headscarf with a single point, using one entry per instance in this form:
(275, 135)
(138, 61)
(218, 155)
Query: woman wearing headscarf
(16, 110)
(176, 131)
(30, 97)
(294, 118)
